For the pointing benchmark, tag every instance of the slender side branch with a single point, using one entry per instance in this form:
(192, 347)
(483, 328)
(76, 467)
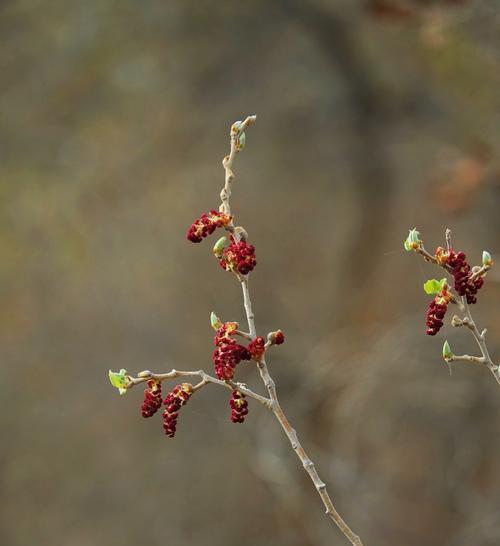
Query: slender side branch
(466, 358)
(146, 375)
(481, 271)
(430, 258)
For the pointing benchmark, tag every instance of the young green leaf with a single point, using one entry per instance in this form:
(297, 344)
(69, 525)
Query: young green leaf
(433, 286)
(219, 247)
(447, 354)
(413, 241)
(215, 321)
(119, 380)
(487, 260)
(240, 142)
(236, 127)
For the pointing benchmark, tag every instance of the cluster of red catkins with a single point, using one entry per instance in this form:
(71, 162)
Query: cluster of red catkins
(228, 353)
(238, 257)
(462, 273)
(206, 224)
(173, 402)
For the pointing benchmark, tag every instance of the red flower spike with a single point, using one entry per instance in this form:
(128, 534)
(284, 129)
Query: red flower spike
(225, 332)
(435, 315)
(256, 348)
(228, 354)
(174, 400)
(239, 257)
(239, 407)
(152, 399)
(226, 357)
(206, 224)
(461, 272)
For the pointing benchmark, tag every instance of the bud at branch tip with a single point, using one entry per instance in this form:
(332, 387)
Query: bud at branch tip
(487, 259)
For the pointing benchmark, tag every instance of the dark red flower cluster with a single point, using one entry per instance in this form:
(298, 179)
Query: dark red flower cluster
(227, 355)
(435, 315)
(225, 332)
(461, 274)
(276, 338)
(239, 407)
(256, 348)
(279, 338)
(174, 400)
(206, 225)
(238, 257)
(152, 399)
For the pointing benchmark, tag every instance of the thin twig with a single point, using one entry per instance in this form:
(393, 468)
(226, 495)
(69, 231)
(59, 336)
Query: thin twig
(466, 358)
(480, 272)
(146, 375)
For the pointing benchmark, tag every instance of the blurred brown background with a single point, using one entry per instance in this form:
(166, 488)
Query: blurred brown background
(373, 117)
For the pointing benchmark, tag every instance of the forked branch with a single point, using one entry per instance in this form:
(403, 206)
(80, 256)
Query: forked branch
(239, 259)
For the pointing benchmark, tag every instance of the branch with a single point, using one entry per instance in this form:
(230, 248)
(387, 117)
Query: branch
(461, 273)
(146, 375)
(123, 381)
(480, 338)
(266, 377)
(466, 358)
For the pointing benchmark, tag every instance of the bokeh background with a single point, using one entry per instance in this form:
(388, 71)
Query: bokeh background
(374, 116)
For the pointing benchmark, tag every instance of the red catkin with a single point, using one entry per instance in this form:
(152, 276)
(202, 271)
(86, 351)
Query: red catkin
(173, 402)
(239, 407)
(226, 358)
(435, 315)
(228, 353)
(279, 337)
(239, 257)
(152, 399)
(462, 273)
(206, 224)
(256, 348)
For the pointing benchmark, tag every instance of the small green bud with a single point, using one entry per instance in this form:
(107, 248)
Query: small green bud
(236, 127)
(215, 321)
(412, 242)
(219, 247)
(447, 354)
(487, 259)
(119, 380)
(240, 142)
